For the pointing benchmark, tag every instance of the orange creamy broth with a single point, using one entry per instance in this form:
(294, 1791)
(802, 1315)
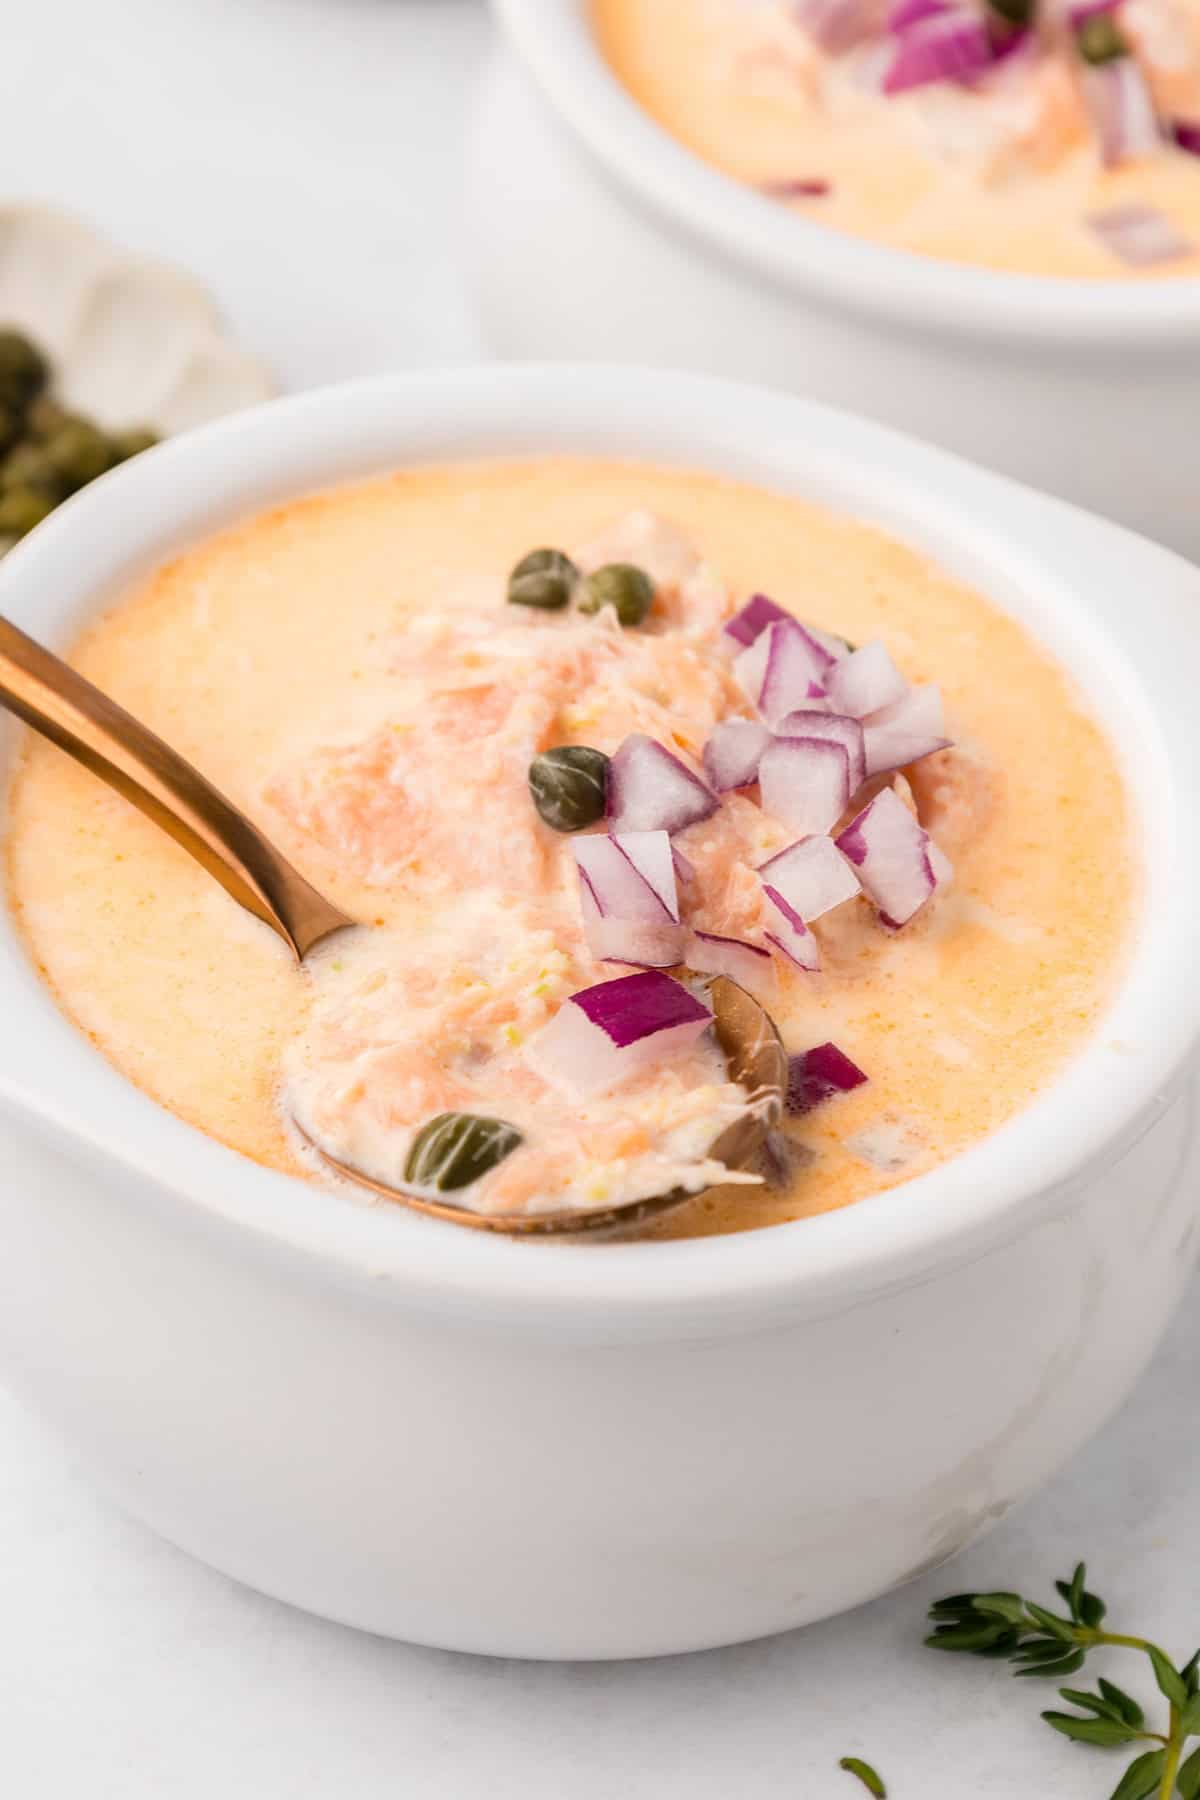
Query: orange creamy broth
(277, 637)
(710, 75)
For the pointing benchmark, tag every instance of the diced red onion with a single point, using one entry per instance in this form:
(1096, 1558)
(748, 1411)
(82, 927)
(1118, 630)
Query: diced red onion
(1140, 235)
(783, 670)
(835, 25)
(805, 782)
(1186, 134)
(788, 933)
(910, 728)
(796, 187)
(1122, 111)
(751, 620)
(649, 789)
(865, 681)
(947, 46)
(839, 728)
(733, 752)
(629, 875)
(746, 963)
(815, 1076)
(813, 876)
(606, 1033)
(892, 854)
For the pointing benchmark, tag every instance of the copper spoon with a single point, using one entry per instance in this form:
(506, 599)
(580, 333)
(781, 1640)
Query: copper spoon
(63, 706)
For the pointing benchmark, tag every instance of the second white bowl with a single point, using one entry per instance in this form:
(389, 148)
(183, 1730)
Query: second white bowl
(594, 235)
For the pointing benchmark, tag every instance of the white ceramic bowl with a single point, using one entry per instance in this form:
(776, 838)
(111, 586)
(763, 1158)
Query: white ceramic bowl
(610, 1450)
(594, 235)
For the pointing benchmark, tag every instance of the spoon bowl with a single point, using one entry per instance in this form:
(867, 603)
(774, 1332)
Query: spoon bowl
(756, 1060)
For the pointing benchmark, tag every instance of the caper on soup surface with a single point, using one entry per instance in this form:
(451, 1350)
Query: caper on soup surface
(1053, 137)
(571, 738)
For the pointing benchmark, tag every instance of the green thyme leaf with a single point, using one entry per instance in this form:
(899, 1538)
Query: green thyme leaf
(1075, 1593)
(1010, 1607)
(1053, 1670)
(1170, 1681)
(1142, 1777)
(1106, 1732)
(1051, 1622)
(1188, 1779)
(854, 1765)
(1091, 1611)
(1189, 1718)
(1097, 1703)
(1125, 1704)
(1191, 1674)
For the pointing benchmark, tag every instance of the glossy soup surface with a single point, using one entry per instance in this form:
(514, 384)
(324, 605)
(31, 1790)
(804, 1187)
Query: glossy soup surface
(335, 666)
(1006, 172)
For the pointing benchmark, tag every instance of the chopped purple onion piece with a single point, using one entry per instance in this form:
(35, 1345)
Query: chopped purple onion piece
(752, 619)
(783, 670)
(898, 864)
(628, 875)
(948, 46)
(905, 731)
(865, 681)
(805, 782)
(650, 789)
(839, 728)
(733, 752)
(1186, 134)
(788, 932)
(746, 963)
(606, 1033)
(812, 876)
(815, 1076)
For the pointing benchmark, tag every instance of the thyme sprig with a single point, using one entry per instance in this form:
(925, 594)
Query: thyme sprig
(1050, 1645)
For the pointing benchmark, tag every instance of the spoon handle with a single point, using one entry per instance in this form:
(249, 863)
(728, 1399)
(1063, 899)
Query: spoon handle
(57, 702)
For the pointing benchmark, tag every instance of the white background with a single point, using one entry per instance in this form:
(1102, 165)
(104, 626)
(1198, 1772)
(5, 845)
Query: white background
(303, 157)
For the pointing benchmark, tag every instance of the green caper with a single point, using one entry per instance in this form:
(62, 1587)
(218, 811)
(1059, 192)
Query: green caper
(455, 1149)
(620, 585)
(125, 444)
(1100, 39)
(570, 786)
(544, 578)
(28, 466)
(23, 369)
(78, 452)
(21, 508)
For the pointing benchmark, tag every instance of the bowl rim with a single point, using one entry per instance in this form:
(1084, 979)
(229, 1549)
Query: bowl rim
(1043, 559)
(555, 42)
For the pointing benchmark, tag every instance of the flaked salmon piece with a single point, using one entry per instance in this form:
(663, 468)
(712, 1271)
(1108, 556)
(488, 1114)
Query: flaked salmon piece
(402, 807)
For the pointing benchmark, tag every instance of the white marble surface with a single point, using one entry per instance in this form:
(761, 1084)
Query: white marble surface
(302, 155)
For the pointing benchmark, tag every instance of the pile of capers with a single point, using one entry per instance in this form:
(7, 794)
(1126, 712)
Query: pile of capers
(549, 580)
(46, 453)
